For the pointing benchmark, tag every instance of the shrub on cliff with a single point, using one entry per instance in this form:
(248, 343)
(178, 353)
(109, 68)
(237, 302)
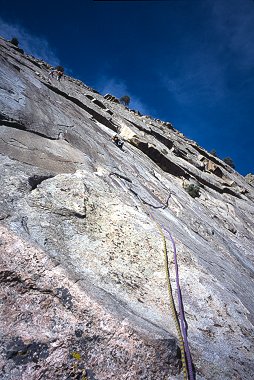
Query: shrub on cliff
(125, 100)
(213, 152)
(193, 190)
(14, 41)
(60, 68)
(229, 161)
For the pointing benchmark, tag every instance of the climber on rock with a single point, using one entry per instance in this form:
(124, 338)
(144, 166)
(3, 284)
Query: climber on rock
(117, 141)
(59, 75)
(52, 72)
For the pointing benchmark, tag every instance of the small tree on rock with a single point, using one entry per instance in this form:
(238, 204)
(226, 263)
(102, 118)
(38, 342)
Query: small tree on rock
(60, 68)
(125, 100)
(229, 161)
(14, 41)
(193, 190)
(213, 152)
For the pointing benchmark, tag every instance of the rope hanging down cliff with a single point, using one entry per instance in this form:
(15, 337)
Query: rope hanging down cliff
(180, 327)
(172, 304)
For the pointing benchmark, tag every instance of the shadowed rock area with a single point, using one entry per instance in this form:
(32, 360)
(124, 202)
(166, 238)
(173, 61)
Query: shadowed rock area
(83, 285)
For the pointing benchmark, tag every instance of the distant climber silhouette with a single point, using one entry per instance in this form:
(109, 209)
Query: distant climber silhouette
(117, 141)
(59, 75)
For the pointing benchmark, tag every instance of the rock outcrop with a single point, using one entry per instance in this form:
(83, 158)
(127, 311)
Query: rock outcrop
(250, 179)
(82, 274)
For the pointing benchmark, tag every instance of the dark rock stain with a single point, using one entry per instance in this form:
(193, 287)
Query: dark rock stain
(65, 297)
(22, 353)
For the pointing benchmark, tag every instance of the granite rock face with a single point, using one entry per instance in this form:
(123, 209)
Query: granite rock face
(83, 285)
(250, 179)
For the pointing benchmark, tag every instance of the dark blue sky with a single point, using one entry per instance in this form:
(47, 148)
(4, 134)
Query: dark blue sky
(190, 62)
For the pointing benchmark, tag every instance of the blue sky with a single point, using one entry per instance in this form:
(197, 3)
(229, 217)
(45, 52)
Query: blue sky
(190, 62)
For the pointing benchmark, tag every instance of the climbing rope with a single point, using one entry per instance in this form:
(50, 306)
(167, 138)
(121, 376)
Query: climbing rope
(181, 312)
(172, 303)
(180, 327)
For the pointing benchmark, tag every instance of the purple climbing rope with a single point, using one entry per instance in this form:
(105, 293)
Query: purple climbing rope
(181, 311)
(180, 302)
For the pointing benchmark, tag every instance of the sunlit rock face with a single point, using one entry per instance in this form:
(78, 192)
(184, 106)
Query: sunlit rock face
(83, 284)
(250, 179)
